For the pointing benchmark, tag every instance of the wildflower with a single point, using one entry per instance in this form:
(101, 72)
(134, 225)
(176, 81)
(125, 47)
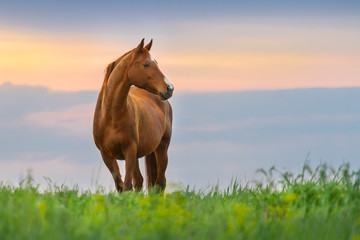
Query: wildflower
(241, 210)
(42, 207)
(291, 197)
(99, 198)
(355, 237)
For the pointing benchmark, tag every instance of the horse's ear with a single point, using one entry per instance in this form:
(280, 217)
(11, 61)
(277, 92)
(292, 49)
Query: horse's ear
(148, 46)
(140, 47)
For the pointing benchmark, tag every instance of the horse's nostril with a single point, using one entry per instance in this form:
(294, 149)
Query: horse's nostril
(170, 89)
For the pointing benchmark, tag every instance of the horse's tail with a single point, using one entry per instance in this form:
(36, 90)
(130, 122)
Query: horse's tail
(151, 170)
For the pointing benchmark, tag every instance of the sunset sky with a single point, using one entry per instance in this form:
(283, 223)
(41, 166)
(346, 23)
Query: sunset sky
(300, 59)
(200, 46)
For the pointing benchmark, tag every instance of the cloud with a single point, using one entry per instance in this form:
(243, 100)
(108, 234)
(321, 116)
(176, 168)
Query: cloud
(86, 14)
(231, 115)
(216, 136)
(38, 122)
(17, 100)
(74, 120)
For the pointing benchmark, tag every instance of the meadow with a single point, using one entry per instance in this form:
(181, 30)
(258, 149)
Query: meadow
(320, 203)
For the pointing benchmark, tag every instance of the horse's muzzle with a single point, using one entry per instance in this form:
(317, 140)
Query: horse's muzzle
(168, 94)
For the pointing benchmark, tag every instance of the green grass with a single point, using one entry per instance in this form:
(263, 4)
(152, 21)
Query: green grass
(319, 204)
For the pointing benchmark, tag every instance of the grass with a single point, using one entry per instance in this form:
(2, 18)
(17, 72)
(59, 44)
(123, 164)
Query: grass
(317, 204)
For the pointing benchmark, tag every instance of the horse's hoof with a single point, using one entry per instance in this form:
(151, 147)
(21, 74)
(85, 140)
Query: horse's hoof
(128, 186)
(120, 187)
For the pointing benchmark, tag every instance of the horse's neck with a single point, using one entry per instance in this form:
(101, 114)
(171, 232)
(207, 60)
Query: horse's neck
(115, 94)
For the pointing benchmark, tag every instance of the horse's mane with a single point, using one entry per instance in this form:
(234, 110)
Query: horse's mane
(110, 68)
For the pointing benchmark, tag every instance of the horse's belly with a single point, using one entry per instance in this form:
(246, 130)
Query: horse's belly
(143, 150)
(148, 143)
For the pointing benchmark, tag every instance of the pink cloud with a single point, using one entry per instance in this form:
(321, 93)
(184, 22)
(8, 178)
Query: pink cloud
(77, 119)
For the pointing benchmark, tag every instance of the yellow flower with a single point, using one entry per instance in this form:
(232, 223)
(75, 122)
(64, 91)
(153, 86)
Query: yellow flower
(355, 237)
(99, 198)
(42, 207)
(291, 197)
(146, 201)
(241, 210)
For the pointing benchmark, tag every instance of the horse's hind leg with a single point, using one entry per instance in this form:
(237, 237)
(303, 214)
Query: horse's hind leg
(113, 167)
(151, 170)
(138, 179)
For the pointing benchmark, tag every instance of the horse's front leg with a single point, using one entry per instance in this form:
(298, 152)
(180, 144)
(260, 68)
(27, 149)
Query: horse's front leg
(138, 179)
(130, 166)
(113, 167)
(161, 162)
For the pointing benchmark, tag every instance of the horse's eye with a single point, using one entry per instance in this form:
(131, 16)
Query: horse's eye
(146, 64)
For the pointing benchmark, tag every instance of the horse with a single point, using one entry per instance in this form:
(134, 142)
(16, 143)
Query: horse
(133, 119)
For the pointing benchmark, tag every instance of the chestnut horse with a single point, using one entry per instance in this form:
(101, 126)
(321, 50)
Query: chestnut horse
(133, 119)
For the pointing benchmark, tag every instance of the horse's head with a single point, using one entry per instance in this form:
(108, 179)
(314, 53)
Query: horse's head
(145, 73)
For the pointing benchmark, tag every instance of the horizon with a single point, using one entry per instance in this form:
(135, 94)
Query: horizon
(184, 91)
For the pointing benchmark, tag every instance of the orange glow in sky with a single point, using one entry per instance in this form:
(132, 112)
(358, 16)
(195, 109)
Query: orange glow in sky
(75, 63)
